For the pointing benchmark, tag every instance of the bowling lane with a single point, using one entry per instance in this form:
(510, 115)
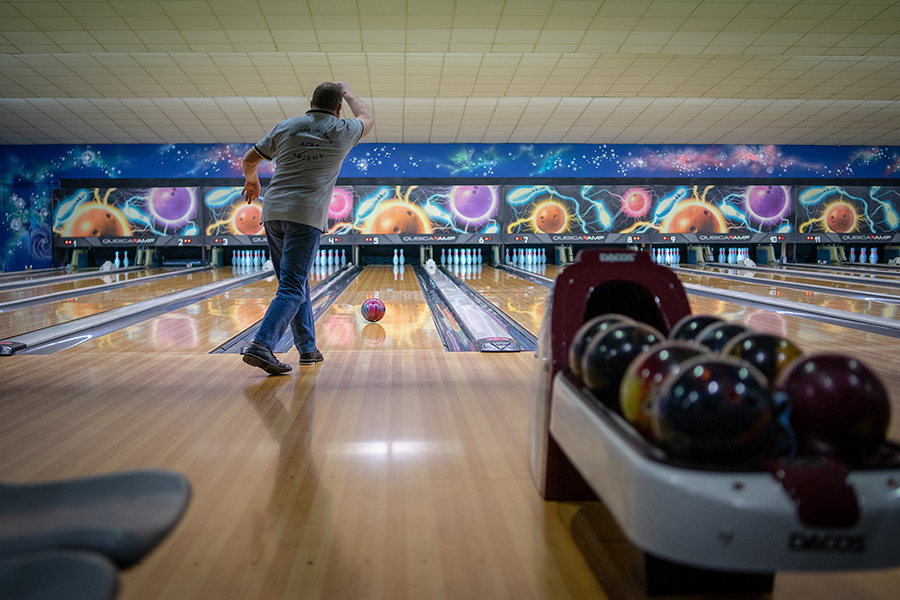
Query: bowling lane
(811, 298)
(194, 329)
(806, 277)
(31, 318)
(53, 285)
(407, 323)
(519, 298)
(876, 351)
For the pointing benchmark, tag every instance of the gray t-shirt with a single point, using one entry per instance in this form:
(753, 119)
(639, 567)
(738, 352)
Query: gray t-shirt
(308, 151)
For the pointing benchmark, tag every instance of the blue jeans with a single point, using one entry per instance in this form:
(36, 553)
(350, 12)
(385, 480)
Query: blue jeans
(293, 249)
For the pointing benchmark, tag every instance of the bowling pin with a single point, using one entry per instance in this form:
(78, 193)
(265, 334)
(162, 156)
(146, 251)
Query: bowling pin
(125, 260)
(402, 257)
(343, 258)
(444, 258)
(852, 254)
(873, 256)
(508, 261)
(862, 255)
(117, 263)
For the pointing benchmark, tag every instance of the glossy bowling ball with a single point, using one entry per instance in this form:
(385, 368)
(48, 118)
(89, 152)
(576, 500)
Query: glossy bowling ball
(689, 326)
(840, 218)
(715, 410)
(586, 333)
(695, 217)
(839, 407)
(645, 374)
(372, 310)
(771, 354)
(608, 355)
(716, 336)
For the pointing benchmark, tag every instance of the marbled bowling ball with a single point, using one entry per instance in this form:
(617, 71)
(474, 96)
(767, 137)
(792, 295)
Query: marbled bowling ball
(695, 218)
(608, 355)
(372, 310)
(688, 327)
(586, 333)
(767, 201)
(645, 374)
(397, 218)
(247, 219)
(473, 204)
(97, 221)
(716, 336)
(839, 407)
(840, 218)
(771, 354)
(171, 204)
(550, 217)
(715, 411)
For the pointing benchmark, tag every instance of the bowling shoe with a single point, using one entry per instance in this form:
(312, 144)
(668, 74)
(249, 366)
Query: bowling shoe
(258, 355)
(309, 358)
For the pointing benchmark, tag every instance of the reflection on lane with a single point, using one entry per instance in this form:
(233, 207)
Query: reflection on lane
(810, 298)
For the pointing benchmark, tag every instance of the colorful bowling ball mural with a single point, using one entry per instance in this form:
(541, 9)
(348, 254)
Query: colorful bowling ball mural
(591, 210)
(871, 210)
(125, 212)
(427, 210)
(229, 213)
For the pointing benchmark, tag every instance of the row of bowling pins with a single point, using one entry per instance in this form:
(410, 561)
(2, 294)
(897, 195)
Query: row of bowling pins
(121, 263)
(522, 257)
(464, 256)
(871, 259)
(735, 256)
(399, 259)
(330, 257)
(248, 258)
(667, 256)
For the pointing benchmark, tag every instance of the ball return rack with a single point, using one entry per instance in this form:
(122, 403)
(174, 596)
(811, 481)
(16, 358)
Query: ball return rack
(694, 528)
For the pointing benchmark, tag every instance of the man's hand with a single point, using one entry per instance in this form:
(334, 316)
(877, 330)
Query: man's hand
(251, 191)
(359, 108)
(345, 89)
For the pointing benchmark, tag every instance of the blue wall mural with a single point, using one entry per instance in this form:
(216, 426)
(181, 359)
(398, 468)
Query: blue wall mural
(28, 174)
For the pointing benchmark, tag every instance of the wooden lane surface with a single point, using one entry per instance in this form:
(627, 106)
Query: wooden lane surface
(192, 329)
(820, 279)
(374, 474)
(520, 299)
(407, 323)
(858, 306)
(51, 286)
(31, 318)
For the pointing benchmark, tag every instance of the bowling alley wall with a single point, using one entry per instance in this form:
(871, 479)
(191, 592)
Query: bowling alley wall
(435, 194)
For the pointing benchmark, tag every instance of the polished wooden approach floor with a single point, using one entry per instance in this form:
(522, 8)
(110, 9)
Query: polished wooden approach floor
(393, 470)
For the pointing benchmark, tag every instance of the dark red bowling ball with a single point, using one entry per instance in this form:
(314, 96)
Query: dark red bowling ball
(688, 327)
(608, 355)
(838, 406)
(716, 336)
(586, 333)
(769, 353)
(715, 410)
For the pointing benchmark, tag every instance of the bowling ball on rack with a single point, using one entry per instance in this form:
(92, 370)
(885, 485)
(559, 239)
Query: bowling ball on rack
(372, 310)
(839, 406)
(608, 355)
(689, 326)
(715, 410)
(716, 336)
(586, 333)
(769, 353)
(647, 372)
